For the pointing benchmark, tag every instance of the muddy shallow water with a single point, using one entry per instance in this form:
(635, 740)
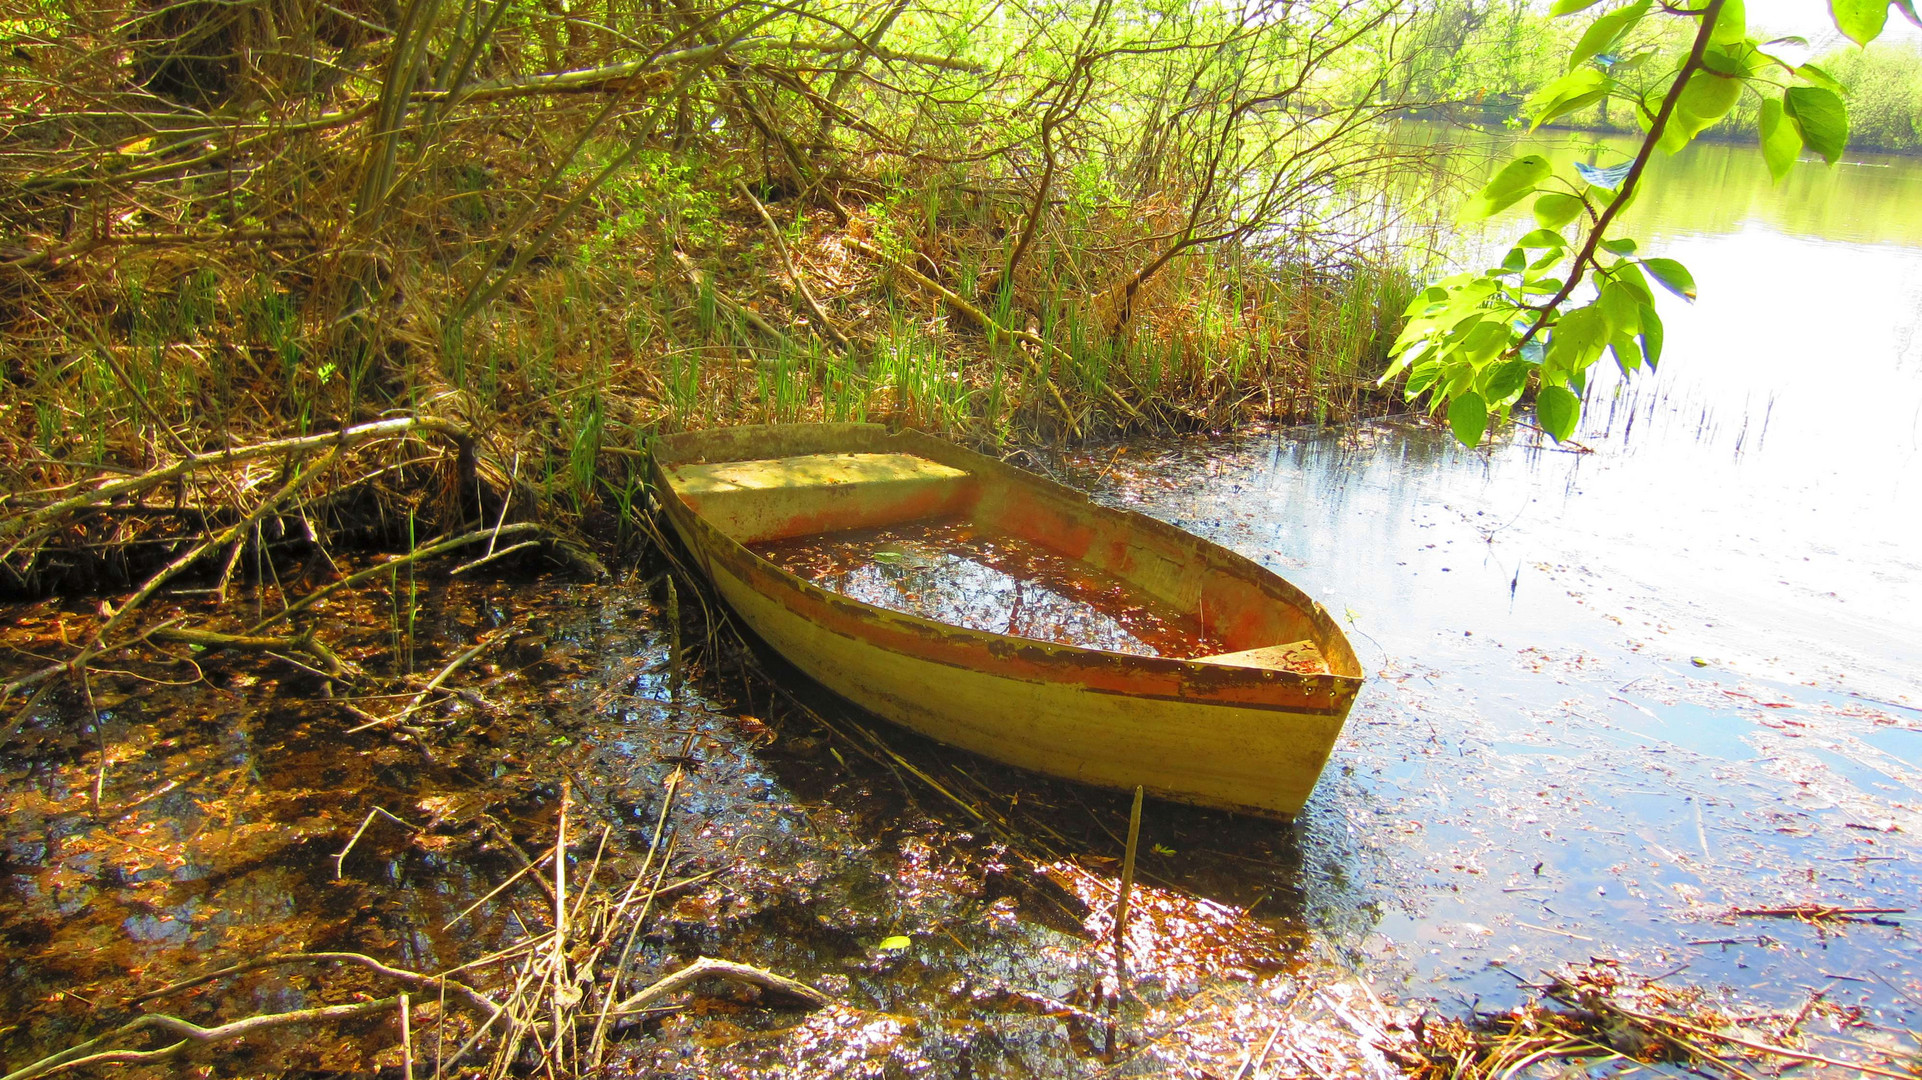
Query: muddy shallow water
(1559, 757)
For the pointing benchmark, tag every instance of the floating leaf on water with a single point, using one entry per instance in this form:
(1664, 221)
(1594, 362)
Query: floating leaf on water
(897, 943)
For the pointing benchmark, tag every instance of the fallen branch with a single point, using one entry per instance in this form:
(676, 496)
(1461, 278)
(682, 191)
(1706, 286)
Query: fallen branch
(209, 639)
(413, 980)
(275, 447)
(437, 548)
(432, 685)
(981, 318)
(1758, 1047)
(191, 1035)
(749, 315)
(340, 860)
(1815, 911)
(793, 273)
(114, 618)
(708, 967)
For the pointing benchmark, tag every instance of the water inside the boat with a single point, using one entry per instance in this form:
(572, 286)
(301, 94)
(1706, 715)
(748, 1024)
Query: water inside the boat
(964, 573)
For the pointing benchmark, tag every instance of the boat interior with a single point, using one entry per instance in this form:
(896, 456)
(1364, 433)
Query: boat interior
(916, 525)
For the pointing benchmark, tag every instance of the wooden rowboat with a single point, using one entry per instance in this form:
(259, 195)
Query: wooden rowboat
(1246, 727)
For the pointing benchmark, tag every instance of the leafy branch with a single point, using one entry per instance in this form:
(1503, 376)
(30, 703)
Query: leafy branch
(1477, 343)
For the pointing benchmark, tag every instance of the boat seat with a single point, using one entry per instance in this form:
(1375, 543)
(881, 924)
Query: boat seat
(777, 498)
(1300, 657)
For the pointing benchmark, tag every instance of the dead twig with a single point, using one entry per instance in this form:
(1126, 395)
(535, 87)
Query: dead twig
(1814, 912)
(708, 967)
(377, 811)
(191, 1035)
(793, 272)
(1747, 1044)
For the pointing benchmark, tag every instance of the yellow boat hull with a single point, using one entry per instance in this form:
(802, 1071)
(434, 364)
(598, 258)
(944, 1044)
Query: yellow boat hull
(1231, 733)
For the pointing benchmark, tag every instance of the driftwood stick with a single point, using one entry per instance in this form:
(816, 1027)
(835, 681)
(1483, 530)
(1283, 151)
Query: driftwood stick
(708, 967)
(699, 278)
(981, 318)
(1816, 911)
(190, 1035)
(793, 272)
(432, 684)
(273, 447)
(596, 1044)
(413, 980)
(340, 860)
(1758, 1047)
(492, 556)
(496, 891)
(353, 579)
(210, 639)
(1122, 896)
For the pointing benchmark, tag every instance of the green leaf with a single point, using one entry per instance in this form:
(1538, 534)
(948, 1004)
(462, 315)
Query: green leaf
(896, 943)
(1554, 209)
(1507, 379)
(1548, 260)
(1434, 294)
(1421, 377)
(1651, 336)
(1558, 410)
(1619, 306)
(1576, 341)
(1673, 276)
(1570, 7)
(1572, 91)
(1630, 275)
(1731, 26)
(1628, 355)
(1861, 20)
(1468, 418)
(1815, 76)
(1907, 8)
(1516, 180)
(1821, 117)
(1623, 246)
(1781, 141)
(1707, 98)
(1738, 61)
(1606, 30)
(1487, 338)
(1542, 239)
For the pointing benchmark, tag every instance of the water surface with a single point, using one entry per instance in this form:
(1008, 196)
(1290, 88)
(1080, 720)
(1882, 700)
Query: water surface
(1626, 687)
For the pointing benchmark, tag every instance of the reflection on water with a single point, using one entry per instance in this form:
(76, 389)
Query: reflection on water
(1709, 188)
(962, 574)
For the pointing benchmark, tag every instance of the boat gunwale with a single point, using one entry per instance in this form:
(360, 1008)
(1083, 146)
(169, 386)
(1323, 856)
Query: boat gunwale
(1217, 675)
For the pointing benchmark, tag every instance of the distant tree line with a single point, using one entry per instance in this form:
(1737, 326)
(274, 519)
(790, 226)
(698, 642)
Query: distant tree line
(1480, 60)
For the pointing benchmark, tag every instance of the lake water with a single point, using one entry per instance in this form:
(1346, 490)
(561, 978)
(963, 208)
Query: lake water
(1625, 688)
